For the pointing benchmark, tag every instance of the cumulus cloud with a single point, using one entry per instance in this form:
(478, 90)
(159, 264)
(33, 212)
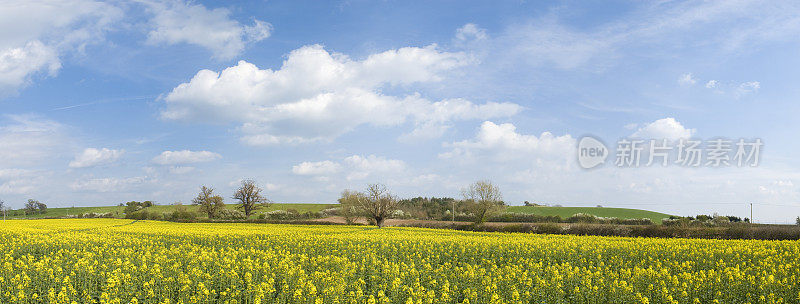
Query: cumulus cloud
(177, 22)
(354, 167)
(316, 168)
(33, 34)
(91, 157)
(185, 157)
(318, 95)
(711, 84)
(18, 65)
(502, 142)
(362, 167)
(668, 128)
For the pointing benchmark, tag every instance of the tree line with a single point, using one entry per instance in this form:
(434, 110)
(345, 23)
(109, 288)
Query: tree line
(32, 206)
(376, 204)
(249, 195)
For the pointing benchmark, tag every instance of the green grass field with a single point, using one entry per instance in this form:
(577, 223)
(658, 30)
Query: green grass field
(118, 211)
(565, 212)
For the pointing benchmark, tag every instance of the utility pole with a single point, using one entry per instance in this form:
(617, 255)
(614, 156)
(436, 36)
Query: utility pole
(751, 213)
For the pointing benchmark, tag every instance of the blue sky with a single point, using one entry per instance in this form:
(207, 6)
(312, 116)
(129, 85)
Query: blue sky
(105, 102)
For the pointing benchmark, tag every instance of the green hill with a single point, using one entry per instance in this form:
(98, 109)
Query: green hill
(118, 211)
(565, 212)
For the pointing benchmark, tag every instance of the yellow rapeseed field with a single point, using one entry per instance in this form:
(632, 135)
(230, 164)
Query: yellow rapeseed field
(119, 261)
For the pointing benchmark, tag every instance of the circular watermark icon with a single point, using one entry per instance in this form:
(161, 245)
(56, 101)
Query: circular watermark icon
(591, 152)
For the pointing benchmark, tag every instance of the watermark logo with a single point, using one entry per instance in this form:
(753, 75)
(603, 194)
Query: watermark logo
(591, 152)
(634, 153)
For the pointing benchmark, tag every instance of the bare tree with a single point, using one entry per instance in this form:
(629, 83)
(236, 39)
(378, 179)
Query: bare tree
(3, 209)
(349, 206)
(209, 203)
(249, 195)
(377, 203)
(482, 198)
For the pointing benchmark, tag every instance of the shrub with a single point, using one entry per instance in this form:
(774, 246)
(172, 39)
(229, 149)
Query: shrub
(582, 218)
(720, 220)
(94, 215)
(525, 218)
(330, 212)
(278, 215)
(398, 214)
(641, 221)
(548, 228)
(703, 217)
(144, 215)
(180, 214)
(231, 215)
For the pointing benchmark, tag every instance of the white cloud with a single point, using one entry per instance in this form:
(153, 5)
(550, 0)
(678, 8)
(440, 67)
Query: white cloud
(362, 167)
(177, 22)
(316, 168)
(185, 157)
(546, 42)
(631, 126)
(30, 140)
(687, 79)
(18, 65)
(21, 181)
(502, 143)
(91, 157)
(107, 184)
(470, 32)
(260, 30)
(735, 89)
(33, 34)
(20, 186)
(354, 167)
(668, 128)
(727, 27)
(318, 96)
(181, 169)
(748, 87)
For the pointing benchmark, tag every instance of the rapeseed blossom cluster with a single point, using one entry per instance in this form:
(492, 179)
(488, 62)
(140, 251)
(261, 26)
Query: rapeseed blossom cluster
(121, 262)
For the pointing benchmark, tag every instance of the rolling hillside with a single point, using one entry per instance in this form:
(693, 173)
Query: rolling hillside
(565, 212)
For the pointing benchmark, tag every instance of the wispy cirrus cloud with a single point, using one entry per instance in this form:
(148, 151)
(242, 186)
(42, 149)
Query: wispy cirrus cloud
(185, 157)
